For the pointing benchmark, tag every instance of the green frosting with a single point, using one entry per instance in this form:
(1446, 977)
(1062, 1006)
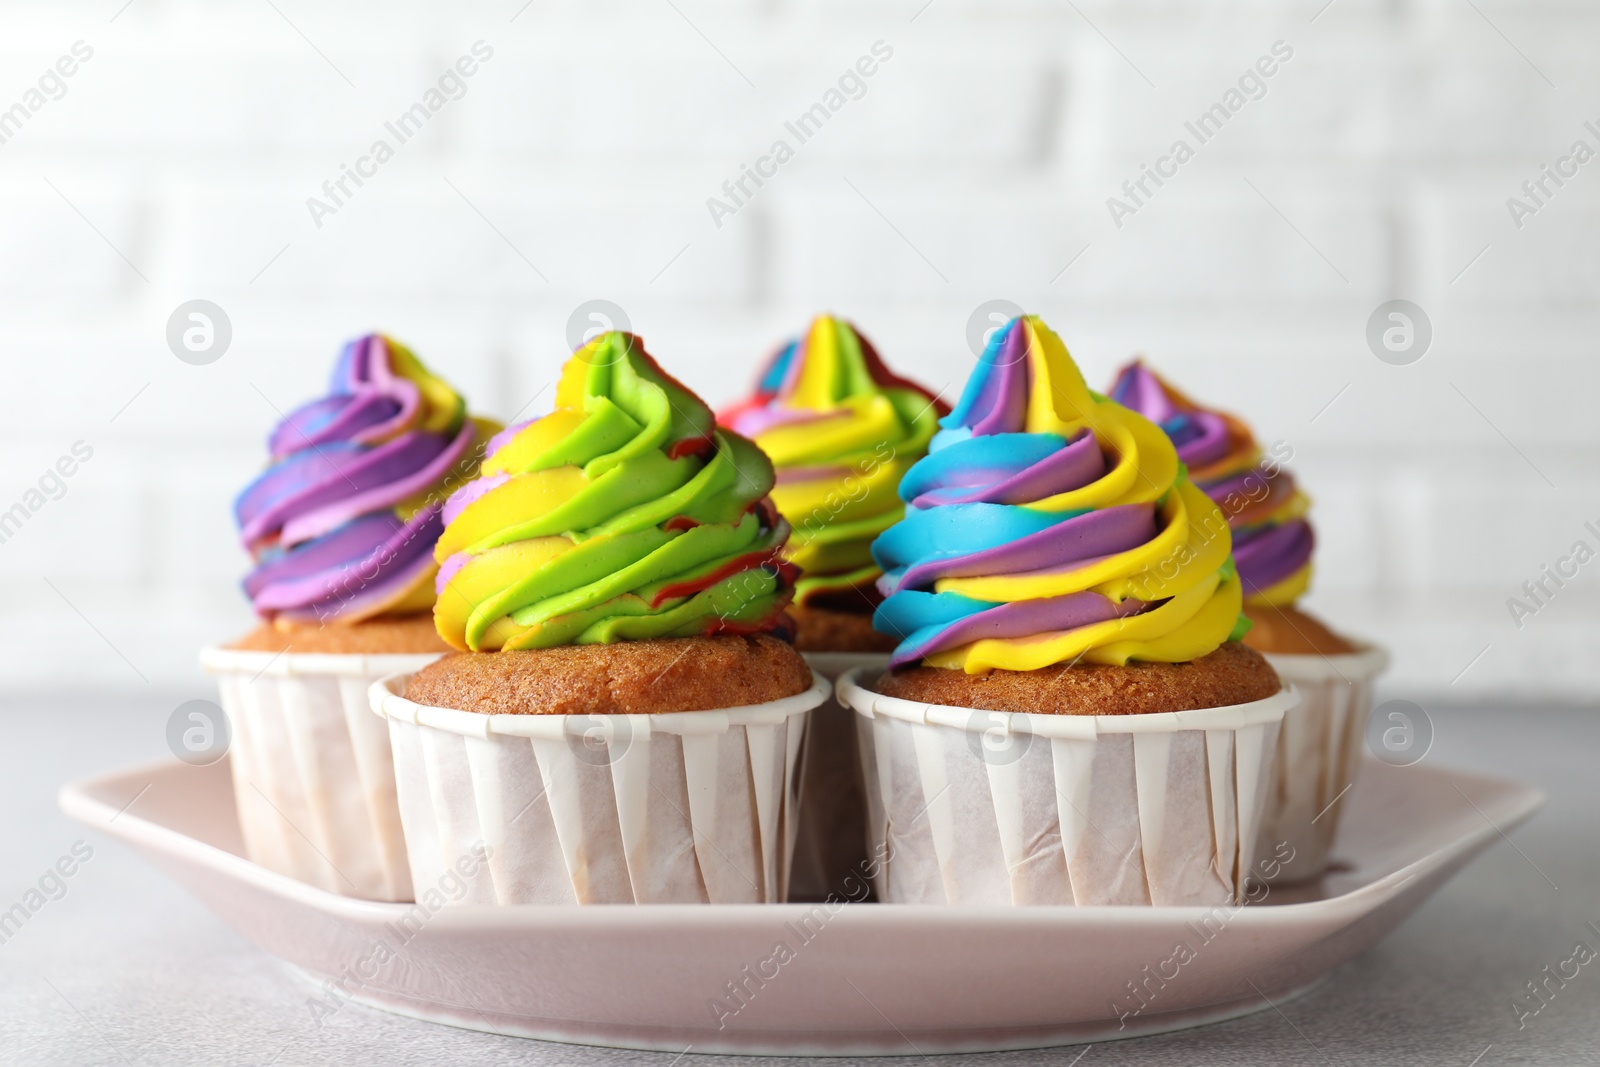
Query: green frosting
(625, 514)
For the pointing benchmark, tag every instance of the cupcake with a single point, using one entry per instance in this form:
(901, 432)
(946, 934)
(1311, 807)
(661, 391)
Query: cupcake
(341, 526)
(1070, 718)
(624, 716)
(1320, 744)
(841, 430)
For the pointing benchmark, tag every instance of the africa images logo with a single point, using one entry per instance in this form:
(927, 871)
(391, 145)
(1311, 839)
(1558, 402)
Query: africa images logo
(451, 85)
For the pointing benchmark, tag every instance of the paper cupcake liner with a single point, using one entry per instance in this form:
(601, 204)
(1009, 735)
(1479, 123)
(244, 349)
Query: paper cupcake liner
(313, 777)
(688, 807)
(831, 843)
(986, 807)
(1319, 754)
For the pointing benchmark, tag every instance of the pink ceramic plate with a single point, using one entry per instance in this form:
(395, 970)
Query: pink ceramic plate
(801, 979)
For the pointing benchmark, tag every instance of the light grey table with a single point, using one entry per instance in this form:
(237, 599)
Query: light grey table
(125, 968)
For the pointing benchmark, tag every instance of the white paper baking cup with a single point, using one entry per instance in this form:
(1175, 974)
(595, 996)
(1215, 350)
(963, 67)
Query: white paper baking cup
(1319, 753)
(988, 807)
(687, 807)
(313, 778)
(830, 852)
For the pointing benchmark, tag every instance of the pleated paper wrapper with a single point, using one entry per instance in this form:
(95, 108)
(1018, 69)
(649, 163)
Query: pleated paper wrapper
(986, 807)
(695, 806)
(313, 777)
(1319, 755)
(831, 845)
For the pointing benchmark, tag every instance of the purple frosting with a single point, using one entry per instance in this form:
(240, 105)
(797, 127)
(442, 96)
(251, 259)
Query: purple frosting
(1064, 546)
(1223, 461)
(1269, 554)
(1072, 467)
(1023, 618)
(341, 524)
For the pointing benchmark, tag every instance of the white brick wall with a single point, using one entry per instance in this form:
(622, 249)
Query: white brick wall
(990, 141)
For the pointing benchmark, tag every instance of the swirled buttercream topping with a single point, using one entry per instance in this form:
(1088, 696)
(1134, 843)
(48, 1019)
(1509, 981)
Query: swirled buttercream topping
(343, 522)
(1049, 525)
(624, 514)
(842, 430)
(1272, 541)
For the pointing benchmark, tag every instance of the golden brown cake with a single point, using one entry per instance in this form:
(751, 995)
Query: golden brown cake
(1290, 631)
(616, 557)
(340, 523)
(386, 635)
(841, 429)
(633, 678)
(1057, 560)
(1233, 674)
(820, 629)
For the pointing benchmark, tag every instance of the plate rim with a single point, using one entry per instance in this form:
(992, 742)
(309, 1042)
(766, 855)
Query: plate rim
(78, 800)
(206, 870)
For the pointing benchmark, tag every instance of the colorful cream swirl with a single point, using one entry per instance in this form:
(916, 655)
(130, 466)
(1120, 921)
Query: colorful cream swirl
(842, 430)
(1272, 541)
(624, 514)
(1050, 525)
(342, 524)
